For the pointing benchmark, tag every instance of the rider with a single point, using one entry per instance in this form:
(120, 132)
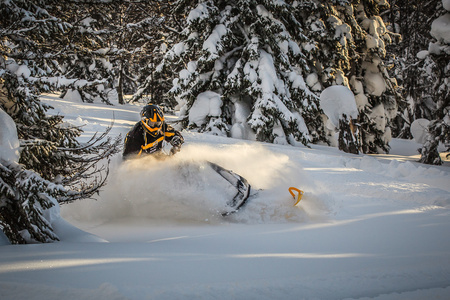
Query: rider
(148, 135)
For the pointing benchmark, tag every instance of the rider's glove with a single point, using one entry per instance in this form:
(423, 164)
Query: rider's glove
(176, 143)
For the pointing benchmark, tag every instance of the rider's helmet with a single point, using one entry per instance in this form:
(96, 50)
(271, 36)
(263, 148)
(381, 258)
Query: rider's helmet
(152, 119)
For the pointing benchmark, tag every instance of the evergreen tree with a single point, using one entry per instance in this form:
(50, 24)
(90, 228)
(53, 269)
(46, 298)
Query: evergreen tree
(411, 20)
(53, 164)
(112, 45)
(154, 83)
(242, 72)
(133, 29)
(347, 47)
(436, 72)
(85, 49)
(24, 197)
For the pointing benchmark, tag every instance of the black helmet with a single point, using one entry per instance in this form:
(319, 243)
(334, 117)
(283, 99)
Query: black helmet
(152, 119)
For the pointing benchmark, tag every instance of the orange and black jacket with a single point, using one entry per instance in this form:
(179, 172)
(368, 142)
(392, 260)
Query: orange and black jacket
(138, 141)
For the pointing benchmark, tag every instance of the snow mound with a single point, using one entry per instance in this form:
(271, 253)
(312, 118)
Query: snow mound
(338, 100)
(9, 143)
(419, 130)
(440, 28)
(207, 105)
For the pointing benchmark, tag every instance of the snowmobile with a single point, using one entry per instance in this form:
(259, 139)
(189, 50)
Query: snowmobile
(161, 139)
(238, 188)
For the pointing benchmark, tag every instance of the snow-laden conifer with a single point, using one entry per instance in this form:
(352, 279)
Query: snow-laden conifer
(243, 73)
(347, 47)
(153, 83)
(436, 72)
(411, 21)
(53, 166)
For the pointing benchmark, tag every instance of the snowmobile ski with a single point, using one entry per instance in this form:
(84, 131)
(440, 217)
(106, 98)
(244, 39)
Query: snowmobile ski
(240, 183)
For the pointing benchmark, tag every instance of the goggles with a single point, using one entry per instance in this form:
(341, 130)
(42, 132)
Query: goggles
(151, 124)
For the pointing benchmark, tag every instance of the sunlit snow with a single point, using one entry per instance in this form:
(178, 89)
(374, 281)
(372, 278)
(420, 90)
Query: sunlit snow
(368, 226)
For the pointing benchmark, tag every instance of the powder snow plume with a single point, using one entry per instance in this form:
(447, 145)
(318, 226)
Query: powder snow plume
(182, 189)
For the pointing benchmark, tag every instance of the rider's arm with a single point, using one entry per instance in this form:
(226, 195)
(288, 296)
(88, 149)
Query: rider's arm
(133, 141)
(171, 135)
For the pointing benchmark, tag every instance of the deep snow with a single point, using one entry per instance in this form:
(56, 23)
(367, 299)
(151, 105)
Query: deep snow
(368, 227)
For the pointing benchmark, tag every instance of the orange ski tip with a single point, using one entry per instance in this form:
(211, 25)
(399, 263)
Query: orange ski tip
(292, 190)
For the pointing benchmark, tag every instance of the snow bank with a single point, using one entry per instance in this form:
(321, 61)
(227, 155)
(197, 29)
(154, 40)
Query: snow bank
(440, 29)
(9, 142)
(446, 4)
(419, 129)
(336, 101)
(207, 104)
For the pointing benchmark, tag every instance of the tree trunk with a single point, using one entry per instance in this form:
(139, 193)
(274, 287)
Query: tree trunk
(430, 154)
(348, 132)
(120, 85)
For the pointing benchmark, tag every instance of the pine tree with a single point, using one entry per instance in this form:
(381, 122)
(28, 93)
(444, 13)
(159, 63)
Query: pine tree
(24, 197)
(243, 61)
(347, 47)
(411, 20)
(436, 72)
(133, 31)
(421, 67)
(154, 83)
(53, 165)
(84, 49)
(111, 45)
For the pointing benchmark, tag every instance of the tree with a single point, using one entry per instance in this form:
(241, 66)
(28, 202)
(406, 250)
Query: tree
(53, 164)
(133, 33)
(241, 72)
(347, 47)
(265, 64)
(155, 83)
(84, 49)
(410, 19)
(113, 46)
(339, 105)
(436, 72)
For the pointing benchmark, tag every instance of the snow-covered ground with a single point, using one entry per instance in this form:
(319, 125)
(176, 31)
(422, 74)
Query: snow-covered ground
(368, 227)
